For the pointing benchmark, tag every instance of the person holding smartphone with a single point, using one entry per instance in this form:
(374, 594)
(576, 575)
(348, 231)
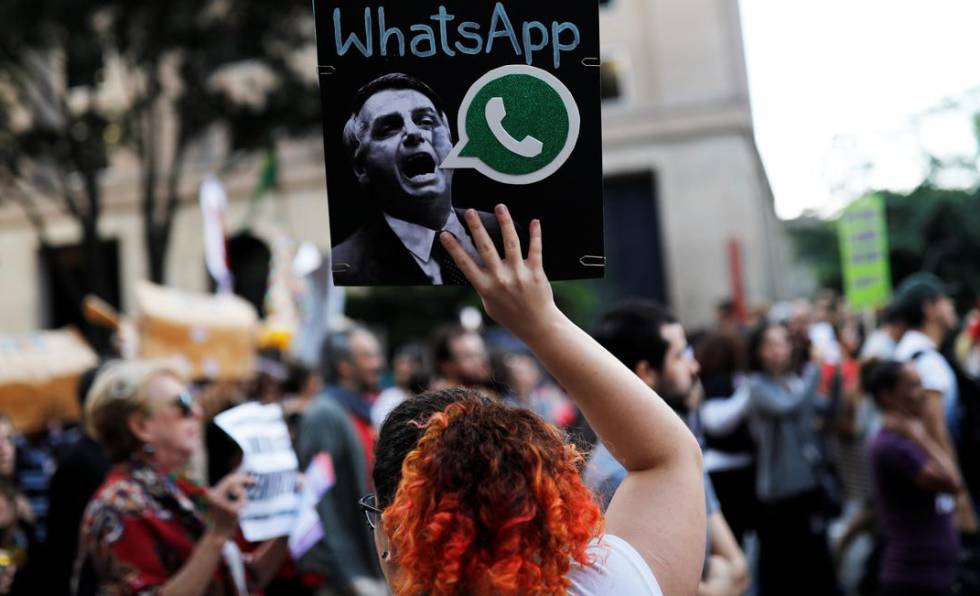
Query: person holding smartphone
(148, 528)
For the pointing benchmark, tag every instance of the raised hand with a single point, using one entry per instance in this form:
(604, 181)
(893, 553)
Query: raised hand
(659, 507)
(225, 501)
(515, 291)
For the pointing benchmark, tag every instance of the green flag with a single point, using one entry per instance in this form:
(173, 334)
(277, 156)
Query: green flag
(268, 176)
(863, 233)
(267, 181)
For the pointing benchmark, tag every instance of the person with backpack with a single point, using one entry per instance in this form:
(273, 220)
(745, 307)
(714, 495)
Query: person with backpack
(930, 316)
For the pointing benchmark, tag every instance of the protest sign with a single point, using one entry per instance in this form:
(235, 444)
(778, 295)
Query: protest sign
(268, 457)
(308, 530)
(863, 233)
(433, 107)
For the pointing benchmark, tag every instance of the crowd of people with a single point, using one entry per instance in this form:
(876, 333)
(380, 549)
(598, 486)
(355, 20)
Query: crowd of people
(853, 443)
(796, 449)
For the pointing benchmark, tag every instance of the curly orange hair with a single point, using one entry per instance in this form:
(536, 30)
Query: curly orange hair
(490, 501)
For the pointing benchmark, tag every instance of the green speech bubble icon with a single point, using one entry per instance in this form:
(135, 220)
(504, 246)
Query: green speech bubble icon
(517, 125)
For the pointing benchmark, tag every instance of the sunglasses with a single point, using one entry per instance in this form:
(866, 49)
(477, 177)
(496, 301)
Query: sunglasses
(185, 403)
(369, 505)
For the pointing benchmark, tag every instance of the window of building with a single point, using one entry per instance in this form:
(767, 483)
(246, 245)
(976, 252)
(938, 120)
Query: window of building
(634, 247)
(67, 278)
(249, 259)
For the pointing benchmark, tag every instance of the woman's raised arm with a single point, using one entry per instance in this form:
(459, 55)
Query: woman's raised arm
(659, 508)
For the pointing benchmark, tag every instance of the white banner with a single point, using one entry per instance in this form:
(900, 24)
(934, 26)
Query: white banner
(273, 503)
(214, 204)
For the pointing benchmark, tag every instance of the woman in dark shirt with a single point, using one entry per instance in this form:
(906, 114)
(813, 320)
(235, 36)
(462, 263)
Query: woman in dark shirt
(914, 484)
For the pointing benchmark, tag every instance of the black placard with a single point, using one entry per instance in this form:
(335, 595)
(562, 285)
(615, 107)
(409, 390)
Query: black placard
(395, 77)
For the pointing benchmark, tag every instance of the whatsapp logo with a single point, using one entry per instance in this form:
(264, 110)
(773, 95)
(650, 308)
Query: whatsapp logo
(517, 125)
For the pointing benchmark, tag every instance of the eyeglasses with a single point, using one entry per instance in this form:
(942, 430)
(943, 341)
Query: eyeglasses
(185, 403)
(369, 504)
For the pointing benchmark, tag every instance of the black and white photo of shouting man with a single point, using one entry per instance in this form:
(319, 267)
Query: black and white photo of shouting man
(397, 136)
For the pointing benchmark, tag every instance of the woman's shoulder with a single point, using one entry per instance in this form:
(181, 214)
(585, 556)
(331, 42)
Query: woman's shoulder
(758, 385)
(754, 379)
(121, 492)
(617, 568)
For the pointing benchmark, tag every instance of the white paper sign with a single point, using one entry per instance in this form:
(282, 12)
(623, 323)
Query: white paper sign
(319, 478)
(273, 504)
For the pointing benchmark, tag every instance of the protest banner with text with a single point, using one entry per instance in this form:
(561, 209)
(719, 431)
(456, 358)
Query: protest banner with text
(430, 108)
(863, 233)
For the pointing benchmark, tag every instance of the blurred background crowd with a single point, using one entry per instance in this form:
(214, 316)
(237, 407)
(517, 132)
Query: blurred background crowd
(180, 143)
(832, 364)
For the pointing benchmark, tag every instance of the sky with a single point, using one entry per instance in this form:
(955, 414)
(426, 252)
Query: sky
(839, 83)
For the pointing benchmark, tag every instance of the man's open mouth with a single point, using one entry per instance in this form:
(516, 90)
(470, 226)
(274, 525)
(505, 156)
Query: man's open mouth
(419, 167)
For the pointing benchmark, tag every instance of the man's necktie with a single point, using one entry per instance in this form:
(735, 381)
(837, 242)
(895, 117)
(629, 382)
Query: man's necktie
(450, 272)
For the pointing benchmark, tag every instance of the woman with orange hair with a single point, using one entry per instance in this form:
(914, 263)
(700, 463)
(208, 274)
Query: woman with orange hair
(474, 497)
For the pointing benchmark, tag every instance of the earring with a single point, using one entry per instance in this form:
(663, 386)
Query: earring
(385, 556)
(147, 449)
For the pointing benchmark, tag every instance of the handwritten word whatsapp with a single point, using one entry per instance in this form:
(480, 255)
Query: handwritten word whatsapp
(469, 37)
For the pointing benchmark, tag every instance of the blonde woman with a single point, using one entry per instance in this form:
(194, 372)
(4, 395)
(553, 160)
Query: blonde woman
(147, 528)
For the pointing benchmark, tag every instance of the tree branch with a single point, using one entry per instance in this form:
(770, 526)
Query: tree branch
(70, 202)
(26, 81)
(149, 164)
(150, 170)
(134, 114)
(44, 98)
(173, 182)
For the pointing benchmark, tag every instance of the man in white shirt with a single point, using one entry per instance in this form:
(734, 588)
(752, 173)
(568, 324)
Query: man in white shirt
(398, 135)
(647, 338)
(881, 342)
(930, 316)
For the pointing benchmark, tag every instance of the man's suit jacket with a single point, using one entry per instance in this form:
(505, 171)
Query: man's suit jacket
(374, 255)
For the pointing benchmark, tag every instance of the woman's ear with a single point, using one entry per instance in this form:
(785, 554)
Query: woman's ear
(138, 426)
(381, 540)
(383, 547)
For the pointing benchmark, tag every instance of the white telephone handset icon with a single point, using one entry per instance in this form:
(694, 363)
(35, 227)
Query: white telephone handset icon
(495, 113)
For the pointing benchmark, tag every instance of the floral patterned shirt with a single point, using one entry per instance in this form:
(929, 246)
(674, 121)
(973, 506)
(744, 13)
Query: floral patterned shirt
(139, 530)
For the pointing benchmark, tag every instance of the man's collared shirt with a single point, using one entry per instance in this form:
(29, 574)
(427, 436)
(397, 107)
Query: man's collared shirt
(418, 240)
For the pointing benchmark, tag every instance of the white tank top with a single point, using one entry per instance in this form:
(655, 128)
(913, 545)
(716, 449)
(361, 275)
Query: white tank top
(617, 569)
